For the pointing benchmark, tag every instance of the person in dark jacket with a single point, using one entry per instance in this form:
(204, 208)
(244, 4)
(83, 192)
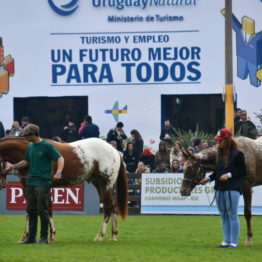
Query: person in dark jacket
(237, 115)
(167, 132)
(2, 130)
(70, 132)
(117, 134)
(246, 127)
(89, 129)
(130, 157)
(137, 141)
(229, 179)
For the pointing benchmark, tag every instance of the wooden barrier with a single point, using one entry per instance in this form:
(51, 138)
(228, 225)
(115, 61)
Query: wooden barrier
(134, 194)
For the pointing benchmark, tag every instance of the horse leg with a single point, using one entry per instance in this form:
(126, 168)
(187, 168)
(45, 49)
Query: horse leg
(26, 231)
(52, 230)
(114, 227)
(248, 215)
(108, 206)
(51, 225)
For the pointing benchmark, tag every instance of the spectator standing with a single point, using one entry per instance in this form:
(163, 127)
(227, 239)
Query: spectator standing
(130, 157)
(246, 127)
(163, 154)
(24, 122)
(237, 115)
(70, 132)
(137, 141)
(148, 158)
(89, 129)
(16, 130)
(82, 125)
(117, 134)
(167, 132)
(2, 130)
(176, 152)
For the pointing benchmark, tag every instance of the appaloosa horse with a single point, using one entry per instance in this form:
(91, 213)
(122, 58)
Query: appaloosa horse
(92, 160)
(197, 164)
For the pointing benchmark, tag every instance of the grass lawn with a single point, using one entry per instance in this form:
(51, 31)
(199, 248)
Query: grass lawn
(141, 238)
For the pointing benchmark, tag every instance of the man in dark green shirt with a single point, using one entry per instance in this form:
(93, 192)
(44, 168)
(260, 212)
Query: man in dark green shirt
(38, 158)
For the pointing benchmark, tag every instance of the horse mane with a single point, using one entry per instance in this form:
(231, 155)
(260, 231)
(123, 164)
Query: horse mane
(14, 143)
(207, 158)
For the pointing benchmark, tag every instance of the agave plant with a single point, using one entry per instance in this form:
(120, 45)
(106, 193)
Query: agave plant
(259, 116)
(185, 137)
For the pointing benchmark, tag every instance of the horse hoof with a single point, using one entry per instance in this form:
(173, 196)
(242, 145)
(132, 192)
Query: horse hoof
(113, 238)
(249, 243)
(98, 239)
(51, 240)
(21, 239)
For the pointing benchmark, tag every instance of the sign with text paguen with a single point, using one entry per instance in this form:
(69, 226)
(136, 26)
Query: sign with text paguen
(63, 198)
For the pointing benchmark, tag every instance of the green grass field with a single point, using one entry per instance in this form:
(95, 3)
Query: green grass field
(141, 238)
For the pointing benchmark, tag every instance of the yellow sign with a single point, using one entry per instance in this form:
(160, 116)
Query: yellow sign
(259, 74)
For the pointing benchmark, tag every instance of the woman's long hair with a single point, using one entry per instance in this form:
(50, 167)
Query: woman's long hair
(136, 134)
(223, 149)
(174, 147)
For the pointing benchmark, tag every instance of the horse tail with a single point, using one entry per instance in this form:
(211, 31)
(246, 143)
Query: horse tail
(122, 190)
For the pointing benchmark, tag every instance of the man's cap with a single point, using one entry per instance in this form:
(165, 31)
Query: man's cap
(31, 130)
(223, 133)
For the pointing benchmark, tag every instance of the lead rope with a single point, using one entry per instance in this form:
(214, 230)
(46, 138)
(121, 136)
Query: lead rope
(208, 196)
(210, 202)
(213, 198)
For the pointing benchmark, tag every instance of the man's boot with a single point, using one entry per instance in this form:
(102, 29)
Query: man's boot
(32, 230)
(44, 230)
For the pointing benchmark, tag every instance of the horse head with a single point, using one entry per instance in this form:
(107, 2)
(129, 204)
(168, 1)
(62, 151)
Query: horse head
(195, 168)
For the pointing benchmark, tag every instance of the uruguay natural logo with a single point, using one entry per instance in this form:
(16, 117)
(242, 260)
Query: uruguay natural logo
(115, 111)
(7, 69)
(64, 9)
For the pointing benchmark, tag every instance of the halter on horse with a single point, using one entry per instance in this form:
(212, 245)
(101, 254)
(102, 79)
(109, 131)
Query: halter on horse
(92, 160)
(195, 168)
(197, 164)
(197, 178)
